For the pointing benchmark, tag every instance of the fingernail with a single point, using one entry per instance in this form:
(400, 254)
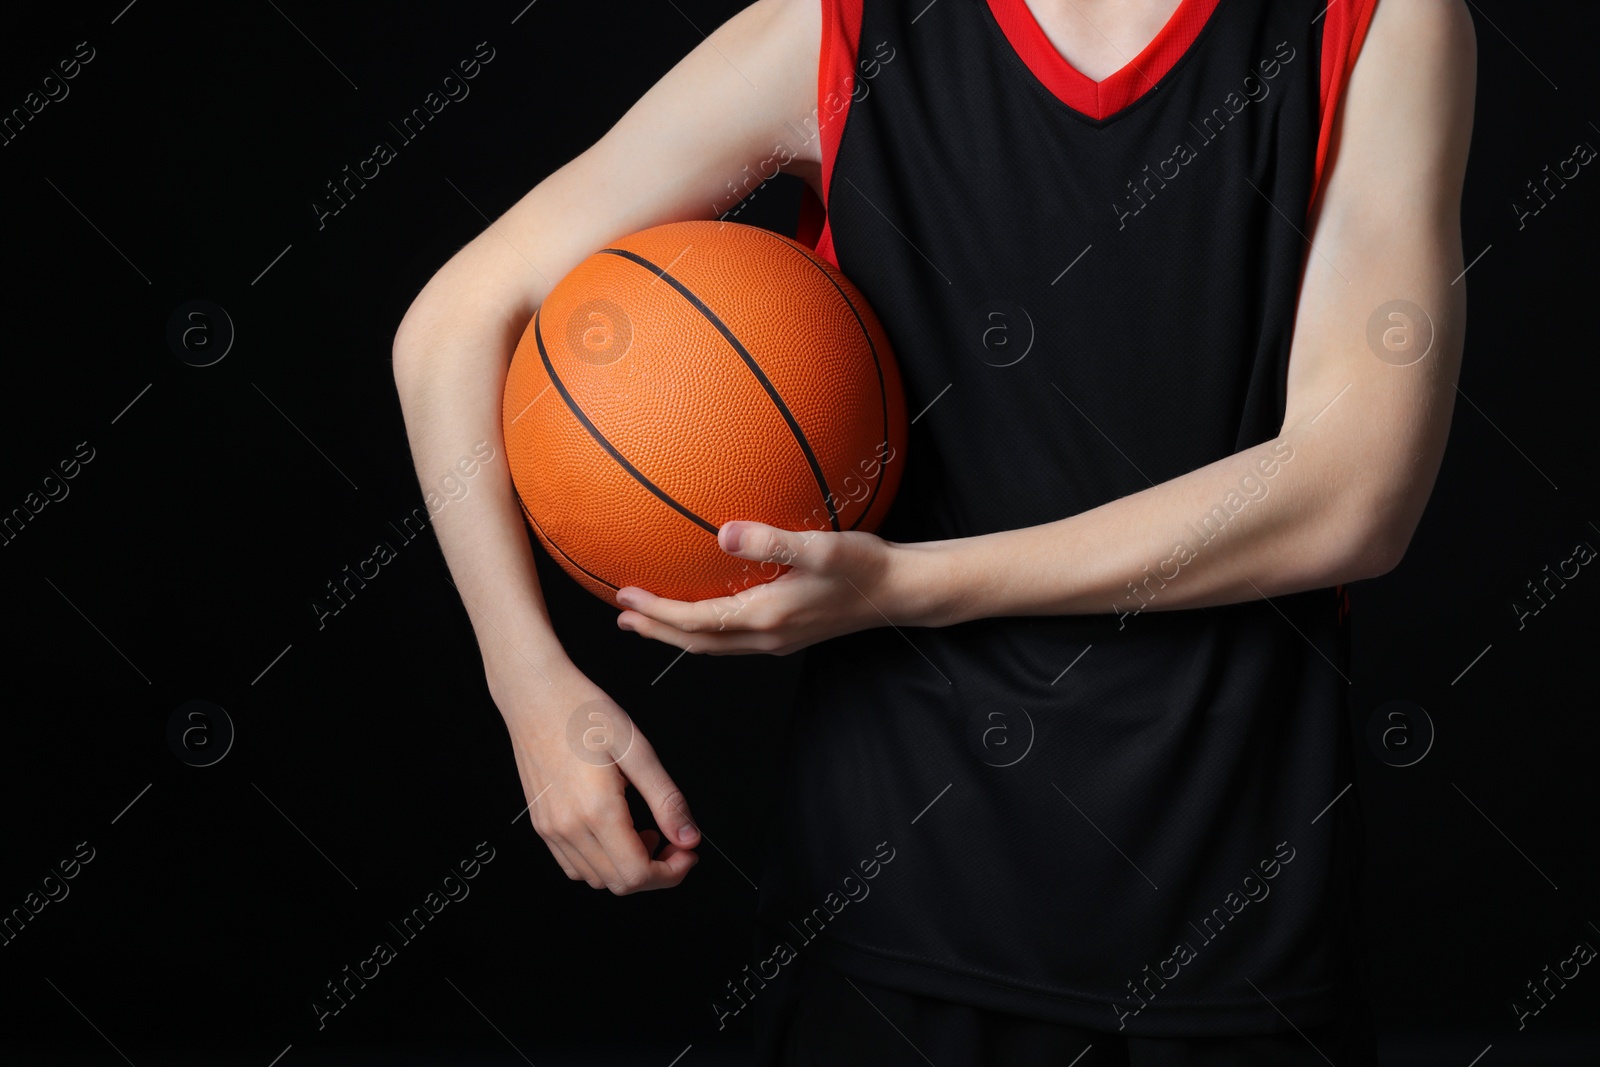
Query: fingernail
(624, 625)
(735, 535)
(686, 833)
(625, 599)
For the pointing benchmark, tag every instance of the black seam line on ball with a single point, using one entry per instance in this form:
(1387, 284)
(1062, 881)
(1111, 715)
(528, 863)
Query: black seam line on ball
(883, 392)
(749, 361)
(600, 438)
(551, 541)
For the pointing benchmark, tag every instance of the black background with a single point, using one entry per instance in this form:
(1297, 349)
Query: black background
(369, 758)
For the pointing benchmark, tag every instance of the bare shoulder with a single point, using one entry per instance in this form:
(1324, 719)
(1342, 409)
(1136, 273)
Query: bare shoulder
(1406, 120)
(1387, 226)
(1427, 43)
(763, 61)
(786, 35)
(1444, 22)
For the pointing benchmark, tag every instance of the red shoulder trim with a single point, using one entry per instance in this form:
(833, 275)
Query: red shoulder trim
(836, 82)
(1121, 88)
(1342, 35)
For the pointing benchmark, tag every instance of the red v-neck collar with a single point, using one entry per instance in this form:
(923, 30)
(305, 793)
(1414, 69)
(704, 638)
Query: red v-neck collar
(1099, 100)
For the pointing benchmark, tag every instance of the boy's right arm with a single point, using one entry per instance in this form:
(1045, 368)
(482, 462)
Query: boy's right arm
(723, 108)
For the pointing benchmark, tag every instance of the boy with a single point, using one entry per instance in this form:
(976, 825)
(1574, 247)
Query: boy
(1218, 252)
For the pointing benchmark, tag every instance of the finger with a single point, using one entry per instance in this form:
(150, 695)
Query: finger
(636, 871)
(770, 545)
(713, 644)
(643, 768)
(595, 853)
(671, 851)
(570, 863)
(574, 869)
(610, 844)
(772, 550)
(658, 847)
(568, 858)
(673, 865)
(711, 615)
(632, 869)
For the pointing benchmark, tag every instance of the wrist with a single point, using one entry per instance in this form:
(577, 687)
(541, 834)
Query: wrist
(923, 584)
(517, 675)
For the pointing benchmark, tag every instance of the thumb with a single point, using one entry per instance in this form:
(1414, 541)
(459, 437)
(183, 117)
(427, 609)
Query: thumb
(758, 541)
(641, 767)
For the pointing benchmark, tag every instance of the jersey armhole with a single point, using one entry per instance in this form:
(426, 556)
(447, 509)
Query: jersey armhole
(1342, 36)
(836, 67)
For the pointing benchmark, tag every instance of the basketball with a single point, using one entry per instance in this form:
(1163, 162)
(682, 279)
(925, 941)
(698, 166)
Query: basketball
(689, 375)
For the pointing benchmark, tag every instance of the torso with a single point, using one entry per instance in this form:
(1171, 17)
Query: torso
(1090, 287)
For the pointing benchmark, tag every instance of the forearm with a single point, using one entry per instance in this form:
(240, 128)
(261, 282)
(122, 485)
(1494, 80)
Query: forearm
(451, 355)
(1283, 516)
(1367, 426)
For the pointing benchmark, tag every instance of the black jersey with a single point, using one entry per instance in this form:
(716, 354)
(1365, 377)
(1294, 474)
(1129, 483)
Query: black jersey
(1129, 821)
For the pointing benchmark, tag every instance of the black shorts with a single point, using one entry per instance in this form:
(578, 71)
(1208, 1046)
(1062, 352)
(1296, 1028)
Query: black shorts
(816, 1016)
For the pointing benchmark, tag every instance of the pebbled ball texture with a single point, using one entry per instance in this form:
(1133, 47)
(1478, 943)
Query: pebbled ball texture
(689, 375)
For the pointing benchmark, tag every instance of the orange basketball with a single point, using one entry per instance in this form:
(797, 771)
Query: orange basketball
(687, 376)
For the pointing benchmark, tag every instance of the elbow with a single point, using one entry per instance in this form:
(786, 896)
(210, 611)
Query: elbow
(409, 349)
(1376, 541)
(1380, 554)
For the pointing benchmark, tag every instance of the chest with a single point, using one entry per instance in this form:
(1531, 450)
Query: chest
(1099, 37)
